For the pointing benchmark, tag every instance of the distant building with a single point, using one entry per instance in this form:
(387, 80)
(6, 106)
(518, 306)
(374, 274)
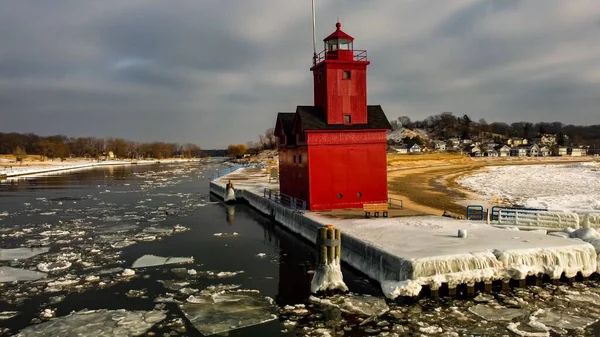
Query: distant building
(545, 151)
(561, 151)
(439, 145)
(490, 153)
(474, 151)
(520, 151)
(533, 150)
(503, 150)
(516, 141)
(415, 148)
(577, 151)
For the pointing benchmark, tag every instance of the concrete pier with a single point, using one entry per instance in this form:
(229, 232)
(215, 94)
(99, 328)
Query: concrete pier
(405, 254)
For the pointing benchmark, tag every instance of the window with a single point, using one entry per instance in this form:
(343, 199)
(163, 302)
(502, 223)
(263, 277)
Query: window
(294, 159)
(346, 75)
(299, 159)
(320, 77)
(347, 119)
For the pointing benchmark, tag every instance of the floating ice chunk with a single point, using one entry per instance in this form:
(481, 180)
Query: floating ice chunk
(261, 255)
(9, 274)
(92, 278)
(21, 253)
(47, 313)
(462, 233)
(563, 320)
(514, 328)
(153, 260)
(393, 289)
(8, 314)
(490, 313)
(119, 228)
(173, 285)
(128, 273)
(223, 312)
(113, 323)
(328, 277)
(53, 266)
(366, 306)
(192, 272)
(226, 235)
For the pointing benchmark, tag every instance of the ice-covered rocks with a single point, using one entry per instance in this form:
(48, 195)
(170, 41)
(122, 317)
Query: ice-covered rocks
(153, 260)
(105, 323)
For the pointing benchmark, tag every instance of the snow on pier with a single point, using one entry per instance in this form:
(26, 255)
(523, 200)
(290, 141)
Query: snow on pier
(406, 253)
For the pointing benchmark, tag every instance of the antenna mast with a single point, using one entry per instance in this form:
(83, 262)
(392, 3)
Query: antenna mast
(314, 22)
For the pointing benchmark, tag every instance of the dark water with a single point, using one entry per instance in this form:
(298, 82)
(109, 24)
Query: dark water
(89, 204)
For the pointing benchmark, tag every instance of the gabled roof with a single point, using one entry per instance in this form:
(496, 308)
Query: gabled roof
(313, 118)
(285, 122)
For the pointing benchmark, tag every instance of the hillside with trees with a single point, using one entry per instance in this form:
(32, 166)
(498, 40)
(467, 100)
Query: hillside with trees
(63, 147)
(447, 125)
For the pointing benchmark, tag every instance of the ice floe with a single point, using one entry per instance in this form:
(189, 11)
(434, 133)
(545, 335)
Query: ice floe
(153, 260)
(366, 306)
(21, 253)
(101, 323)
(225, 311)
(9, 274)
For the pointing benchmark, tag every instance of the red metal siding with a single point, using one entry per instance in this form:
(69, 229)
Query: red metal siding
(338, 96)
(347, 163)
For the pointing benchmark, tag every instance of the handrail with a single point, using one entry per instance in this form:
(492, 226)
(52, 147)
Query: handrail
(357, 55)
(295, 204)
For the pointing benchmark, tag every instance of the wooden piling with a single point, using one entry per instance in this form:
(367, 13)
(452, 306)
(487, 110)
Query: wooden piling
(322, 249)
(505, 286)
(338, 247)
(452, 292)
(471, 290)
(487, 286)
(330, 248)
(522, 283)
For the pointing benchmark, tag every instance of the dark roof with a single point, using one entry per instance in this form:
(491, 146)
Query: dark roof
(287, 124)
(287, 121)
(312, 118)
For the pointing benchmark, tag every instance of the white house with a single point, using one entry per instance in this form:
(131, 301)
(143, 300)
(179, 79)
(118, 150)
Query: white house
(490, 153)
(474, 151)
(503, 150)
(544, 151)
(401, 150)
(577, 152)
(562, 151)
(520, 151)
(439, 145)
(415, 149)
(533, 150)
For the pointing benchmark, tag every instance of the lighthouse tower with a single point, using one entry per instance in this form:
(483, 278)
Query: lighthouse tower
(333, 154)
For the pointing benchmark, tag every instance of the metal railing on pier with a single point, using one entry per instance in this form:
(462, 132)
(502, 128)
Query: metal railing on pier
(295, 204)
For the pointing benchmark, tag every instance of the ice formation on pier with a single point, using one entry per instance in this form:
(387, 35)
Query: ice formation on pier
(328, 277)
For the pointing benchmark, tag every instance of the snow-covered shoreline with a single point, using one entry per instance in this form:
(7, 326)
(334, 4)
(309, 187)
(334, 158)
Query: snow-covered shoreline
(28, 171)
(573, 187)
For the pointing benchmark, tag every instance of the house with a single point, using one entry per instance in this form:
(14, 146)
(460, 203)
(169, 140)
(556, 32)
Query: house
(503, 150)
(533, 150)
(491, 146)
(544, 151)
(490, 153)
(466, 141)
(439, 145)
(473, 151)
(561, 151)
(516, 141)
(401, 149)
(593, 152)
(415, 148)
(455, 142)
(577, 151)
(519, 151)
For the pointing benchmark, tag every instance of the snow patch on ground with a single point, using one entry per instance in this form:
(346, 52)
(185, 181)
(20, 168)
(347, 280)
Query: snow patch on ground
(565, 187)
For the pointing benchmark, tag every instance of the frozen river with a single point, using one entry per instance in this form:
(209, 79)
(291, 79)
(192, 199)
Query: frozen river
(122, 251)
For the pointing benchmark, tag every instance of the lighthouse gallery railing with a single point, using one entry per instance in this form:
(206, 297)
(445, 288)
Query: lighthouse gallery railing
(357, 55)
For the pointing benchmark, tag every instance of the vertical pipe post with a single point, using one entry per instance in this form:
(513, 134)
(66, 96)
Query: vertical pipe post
(322, 248)
(314, 29)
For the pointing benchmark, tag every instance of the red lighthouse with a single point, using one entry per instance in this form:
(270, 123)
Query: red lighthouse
(333, 154)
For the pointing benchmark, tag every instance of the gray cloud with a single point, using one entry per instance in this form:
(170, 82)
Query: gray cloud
(215, 72)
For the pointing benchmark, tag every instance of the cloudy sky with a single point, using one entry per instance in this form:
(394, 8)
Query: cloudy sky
(215, 72)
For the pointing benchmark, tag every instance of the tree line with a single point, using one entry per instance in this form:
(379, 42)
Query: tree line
(447, 125)
(61, 146)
